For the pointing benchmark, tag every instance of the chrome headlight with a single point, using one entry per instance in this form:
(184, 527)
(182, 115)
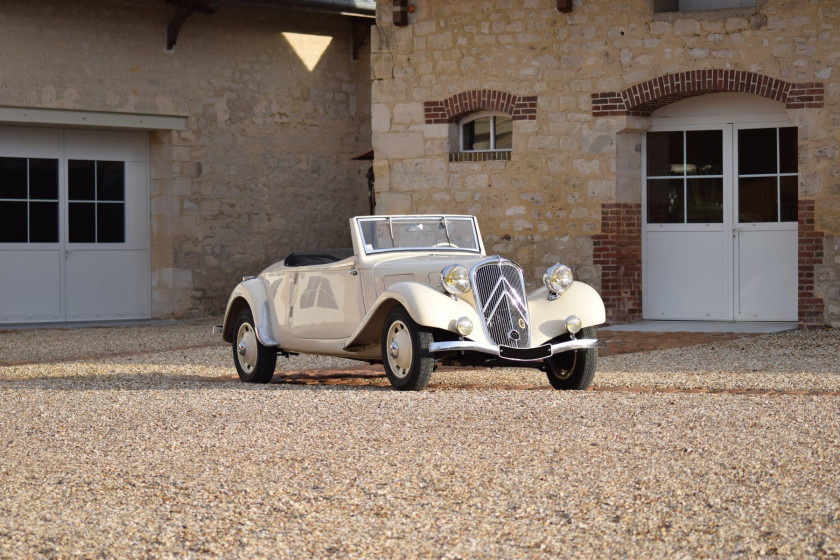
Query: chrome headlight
(455, 279)
(558, 278)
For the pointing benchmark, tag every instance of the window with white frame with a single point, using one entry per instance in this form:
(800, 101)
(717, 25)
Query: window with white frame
(486, 133)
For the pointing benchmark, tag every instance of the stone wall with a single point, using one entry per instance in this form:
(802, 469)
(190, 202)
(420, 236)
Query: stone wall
(265, 166)
(577, 156)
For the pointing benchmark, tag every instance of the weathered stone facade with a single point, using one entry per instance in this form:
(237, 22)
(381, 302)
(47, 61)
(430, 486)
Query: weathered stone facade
(265, 164)
(596, 74)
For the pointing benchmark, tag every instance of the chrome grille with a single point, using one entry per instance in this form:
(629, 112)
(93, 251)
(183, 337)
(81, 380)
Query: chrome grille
(500, 295)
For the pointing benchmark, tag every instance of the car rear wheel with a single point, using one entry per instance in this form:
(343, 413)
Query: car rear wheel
(573, 370)
(254, 362)
(405, 352)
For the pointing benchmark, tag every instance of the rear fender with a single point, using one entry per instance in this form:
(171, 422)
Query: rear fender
(252, 294)
(427, 306)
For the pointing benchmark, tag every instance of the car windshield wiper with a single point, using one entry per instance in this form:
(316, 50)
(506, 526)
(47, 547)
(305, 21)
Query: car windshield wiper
(446, 230)
(391, 230)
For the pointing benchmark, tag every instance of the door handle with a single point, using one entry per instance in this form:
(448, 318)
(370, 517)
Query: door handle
(353, 272)
(67, 253)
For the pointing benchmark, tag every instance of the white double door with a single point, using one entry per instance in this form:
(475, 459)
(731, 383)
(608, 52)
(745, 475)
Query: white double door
(74, 225)
(720, 231)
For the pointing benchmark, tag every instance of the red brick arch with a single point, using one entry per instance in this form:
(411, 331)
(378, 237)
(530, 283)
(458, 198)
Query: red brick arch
(452, 108)
(644, 98)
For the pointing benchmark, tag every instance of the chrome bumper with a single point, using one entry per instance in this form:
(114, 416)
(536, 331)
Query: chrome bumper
(517, 354)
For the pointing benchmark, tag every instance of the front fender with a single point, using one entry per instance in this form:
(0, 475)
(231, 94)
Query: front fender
(253, 294)
(427, 306)
(548, 318)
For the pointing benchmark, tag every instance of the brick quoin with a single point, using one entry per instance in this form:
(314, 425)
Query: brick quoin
(811, 308)
(451, 109)
(644, 98)
(618, 251)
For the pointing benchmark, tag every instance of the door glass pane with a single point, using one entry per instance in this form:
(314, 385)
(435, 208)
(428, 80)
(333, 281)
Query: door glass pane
(705, 201)
(757, 200)
(82, 222)
(43, 179)
(757, 151)
(704, 152)
(110, 223)
(12, 222)
(504, 133)
(43, 222)
(12, 177)
(477, 134)
(788, 153)
(789, 194)
(665, 201)
(81, 180)
(110, 180)
(664, 154)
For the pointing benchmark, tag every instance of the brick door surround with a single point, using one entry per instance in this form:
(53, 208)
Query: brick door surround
(617, 249)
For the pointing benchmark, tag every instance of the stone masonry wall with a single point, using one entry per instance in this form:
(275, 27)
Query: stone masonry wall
(264, 167)
(545, 203)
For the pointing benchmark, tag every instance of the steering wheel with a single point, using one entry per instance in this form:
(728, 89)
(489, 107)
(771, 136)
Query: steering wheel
(445, 244)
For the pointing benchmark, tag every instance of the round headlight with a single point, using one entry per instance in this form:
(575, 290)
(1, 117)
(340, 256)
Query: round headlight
(455, 279)
(558, 278)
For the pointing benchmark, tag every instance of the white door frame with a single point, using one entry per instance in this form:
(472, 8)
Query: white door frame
(729, 124)
(53, 143)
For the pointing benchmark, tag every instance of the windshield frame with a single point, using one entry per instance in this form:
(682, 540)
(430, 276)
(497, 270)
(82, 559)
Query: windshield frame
(445, 220)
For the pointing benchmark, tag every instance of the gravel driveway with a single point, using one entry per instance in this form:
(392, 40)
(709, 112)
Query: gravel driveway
(137, 442)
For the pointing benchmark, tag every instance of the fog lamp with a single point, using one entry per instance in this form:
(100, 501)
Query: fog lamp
(464, 326)
(573, 324)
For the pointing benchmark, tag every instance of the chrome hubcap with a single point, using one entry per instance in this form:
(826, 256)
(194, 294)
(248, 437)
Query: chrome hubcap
(246, 347)
(400, 352)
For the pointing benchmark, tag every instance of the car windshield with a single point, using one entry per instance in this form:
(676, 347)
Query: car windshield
(436, 233)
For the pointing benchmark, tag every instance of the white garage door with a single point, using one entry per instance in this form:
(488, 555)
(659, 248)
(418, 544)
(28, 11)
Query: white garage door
(74, 225)
(720, 222)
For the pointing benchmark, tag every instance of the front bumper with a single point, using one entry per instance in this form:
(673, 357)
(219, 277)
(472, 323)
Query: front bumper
(517, 354)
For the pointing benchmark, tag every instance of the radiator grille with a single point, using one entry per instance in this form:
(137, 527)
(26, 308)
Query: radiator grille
(500, 295)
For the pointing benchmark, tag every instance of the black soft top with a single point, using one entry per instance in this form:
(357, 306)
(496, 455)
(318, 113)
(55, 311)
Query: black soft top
(322, 256)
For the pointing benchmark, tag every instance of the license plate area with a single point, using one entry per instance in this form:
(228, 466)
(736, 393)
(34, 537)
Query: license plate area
(525, 354)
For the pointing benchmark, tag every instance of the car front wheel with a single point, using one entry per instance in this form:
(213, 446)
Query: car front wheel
(573, 370)
(254, 362)
(405, 352)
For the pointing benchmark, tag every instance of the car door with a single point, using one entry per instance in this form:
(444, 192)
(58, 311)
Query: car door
(327, 301)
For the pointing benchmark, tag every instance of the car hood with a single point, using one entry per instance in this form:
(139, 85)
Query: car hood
(425, 269)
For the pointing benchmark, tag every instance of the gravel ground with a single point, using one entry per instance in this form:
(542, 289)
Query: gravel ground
(144, 447)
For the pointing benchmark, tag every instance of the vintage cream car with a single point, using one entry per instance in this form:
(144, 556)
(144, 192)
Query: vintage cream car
(414, 291)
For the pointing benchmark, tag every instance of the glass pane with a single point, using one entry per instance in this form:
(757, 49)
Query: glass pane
(43, 222)
(12, 222)
(788, 154)
(82, 222)
(705, 201)
(664, 153)
(81, 179)
(12, 178)
(757, 200)
(704, 152)
(43, 179)
(110, 180)
(790, 198)
(757, 151)
(665, 201)
(504, 133)
(110, 223)
(477, 134)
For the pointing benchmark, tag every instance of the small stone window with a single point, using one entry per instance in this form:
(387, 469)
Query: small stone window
(484, 137)
(699, 5)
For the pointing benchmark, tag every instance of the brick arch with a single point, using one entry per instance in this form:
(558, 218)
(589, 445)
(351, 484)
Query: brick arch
(453, 108)
(644, 98)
